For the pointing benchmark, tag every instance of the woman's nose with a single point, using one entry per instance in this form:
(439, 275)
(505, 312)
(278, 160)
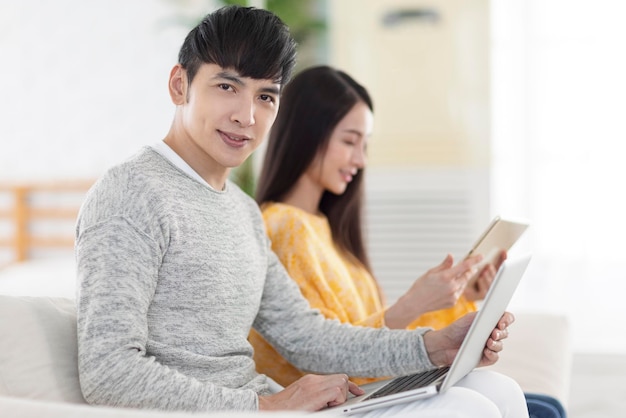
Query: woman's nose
(359, 157)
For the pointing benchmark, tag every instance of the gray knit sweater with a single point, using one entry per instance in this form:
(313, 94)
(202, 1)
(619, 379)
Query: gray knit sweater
(173, 274)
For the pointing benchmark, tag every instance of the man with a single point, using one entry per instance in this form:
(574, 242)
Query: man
(174, 266)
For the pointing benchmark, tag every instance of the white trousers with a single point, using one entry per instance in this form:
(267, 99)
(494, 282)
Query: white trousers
(481, 394)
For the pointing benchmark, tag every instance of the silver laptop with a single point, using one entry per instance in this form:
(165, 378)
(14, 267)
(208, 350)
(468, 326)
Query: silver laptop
(421, 385)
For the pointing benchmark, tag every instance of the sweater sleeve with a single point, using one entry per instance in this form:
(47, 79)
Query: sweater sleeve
(117, 272)
(300, 250)
(316, 344)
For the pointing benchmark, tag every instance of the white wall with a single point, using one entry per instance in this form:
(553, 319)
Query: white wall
(428, 159)
(84, 83)
(428, 77)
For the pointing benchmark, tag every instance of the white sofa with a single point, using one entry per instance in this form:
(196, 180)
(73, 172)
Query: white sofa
(39, 377)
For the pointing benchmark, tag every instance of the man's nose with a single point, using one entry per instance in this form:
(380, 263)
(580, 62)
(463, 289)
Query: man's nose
(244, 114)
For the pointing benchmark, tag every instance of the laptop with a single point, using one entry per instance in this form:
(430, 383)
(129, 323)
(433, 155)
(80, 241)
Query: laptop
(422, 385)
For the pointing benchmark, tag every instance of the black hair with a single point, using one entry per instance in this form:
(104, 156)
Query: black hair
(253, 42)
(312, 104)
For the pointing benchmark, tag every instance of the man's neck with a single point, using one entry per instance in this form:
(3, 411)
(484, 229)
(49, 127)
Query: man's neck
(213, 174)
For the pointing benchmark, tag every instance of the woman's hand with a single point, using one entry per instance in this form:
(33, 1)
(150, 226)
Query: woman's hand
(443, 345)
(477, 289)
(311, 393)
(439, 288)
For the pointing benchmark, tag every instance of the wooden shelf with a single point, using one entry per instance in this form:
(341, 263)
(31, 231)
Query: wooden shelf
(26, 205)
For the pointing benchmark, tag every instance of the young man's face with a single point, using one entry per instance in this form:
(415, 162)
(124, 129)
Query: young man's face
(222, 117)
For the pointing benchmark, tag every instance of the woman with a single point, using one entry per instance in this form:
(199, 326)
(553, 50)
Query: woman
(311, 194)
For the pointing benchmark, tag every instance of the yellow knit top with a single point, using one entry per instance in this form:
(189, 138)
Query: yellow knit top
(336, 284)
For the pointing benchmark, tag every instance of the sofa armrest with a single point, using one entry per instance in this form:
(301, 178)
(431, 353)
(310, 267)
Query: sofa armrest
(538, 355)
(38, 348)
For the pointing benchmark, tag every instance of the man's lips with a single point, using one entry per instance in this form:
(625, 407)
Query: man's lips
(233, 140)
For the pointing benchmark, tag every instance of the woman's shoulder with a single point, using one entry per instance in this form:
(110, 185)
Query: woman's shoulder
(281, 218)
(274, 210)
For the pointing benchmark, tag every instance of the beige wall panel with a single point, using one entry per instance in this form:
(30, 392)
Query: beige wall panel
(429, 77)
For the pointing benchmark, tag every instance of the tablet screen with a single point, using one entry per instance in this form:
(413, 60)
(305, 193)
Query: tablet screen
(500, 235)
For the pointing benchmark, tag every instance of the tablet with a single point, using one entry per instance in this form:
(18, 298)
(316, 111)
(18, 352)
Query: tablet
(500, 235)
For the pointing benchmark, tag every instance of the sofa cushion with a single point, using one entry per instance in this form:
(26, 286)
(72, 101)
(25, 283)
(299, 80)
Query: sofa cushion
(38, 352)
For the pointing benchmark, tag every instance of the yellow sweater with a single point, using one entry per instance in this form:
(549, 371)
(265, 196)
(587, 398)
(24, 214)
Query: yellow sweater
(337, 285)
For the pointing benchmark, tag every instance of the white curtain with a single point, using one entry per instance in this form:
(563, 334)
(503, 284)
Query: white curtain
(559, 135)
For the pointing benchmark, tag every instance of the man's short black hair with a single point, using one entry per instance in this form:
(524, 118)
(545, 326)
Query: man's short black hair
(253, 42)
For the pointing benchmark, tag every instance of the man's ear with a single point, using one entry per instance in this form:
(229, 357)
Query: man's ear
(178, 85)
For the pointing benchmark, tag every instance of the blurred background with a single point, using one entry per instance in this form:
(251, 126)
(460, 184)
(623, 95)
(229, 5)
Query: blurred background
(482, 108)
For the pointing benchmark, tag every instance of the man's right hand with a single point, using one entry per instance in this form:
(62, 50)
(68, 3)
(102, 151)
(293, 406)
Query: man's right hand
(311, 393)
(442, 345)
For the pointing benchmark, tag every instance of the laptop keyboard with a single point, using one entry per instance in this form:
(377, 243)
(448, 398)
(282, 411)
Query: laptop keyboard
(412, 381)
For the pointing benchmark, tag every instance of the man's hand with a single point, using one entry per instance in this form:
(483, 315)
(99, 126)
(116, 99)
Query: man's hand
(444, 344)
(311, 393)
(494, 344)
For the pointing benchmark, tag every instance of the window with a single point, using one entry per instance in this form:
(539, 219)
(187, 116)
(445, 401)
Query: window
(558, 94)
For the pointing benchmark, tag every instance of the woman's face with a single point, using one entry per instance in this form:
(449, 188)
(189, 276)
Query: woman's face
(334, 169)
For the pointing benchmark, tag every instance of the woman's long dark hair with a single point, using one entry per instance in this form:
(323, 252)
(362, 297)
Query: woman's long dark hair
(312, 105)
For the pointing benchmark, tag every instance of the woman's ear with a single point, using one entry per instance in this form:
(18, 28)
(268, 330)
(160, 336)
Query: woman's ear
(178, 85)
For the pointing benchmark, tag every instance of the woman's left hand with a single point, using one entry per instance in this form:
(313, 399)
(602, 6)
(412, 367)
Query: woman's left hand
(478, 288)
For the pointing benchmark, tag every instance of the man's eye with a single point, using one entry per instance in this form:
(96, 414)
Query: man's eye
(267, 98)
(224, 86)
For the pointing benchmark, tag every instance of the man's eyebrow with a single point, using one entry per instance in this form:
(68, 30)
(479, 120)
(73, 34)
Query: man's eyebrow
(236, 79)
(271, 90)
(227, 75)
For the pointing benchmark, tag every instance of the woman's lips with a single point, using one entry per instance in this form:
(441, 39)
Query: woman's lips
(347, 177)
